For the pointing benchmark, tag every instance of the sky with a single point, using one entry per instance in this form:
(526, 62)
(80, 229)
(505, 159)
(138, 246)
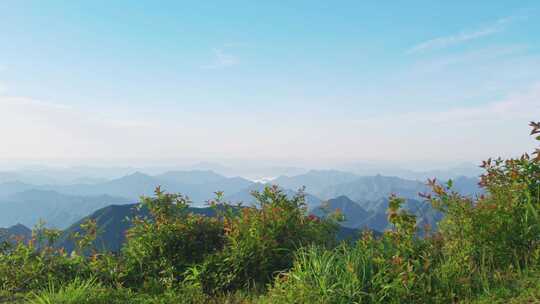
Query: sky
(283, 81)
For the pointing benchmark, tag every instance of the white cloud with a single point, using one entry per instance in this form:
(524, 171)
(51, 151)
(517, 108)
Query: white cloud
(222, 60)
(464, 36)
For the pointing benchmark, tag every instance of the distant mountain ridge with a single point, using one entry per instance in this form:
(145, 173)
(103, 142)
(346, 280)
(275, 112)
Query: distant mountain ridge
(198, 185)
(369, 169)
(61, 205)
(367, 188)
(112, 221)
(15, 232)
(372, 214)
(10, 188)
(327, 184)
(354, 213)
(56, 209)
(315, 179)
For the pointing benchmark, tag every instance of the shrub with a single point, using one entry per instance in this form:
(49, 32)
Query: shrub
(160, 248)
(32, 266)
(261, 241)
(391, 269)
(494, 233)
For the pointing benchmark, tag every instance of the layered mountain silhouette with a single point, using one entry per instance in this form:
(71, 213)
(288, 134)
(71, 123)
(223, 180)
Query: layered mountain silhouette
(114, 220)
(315, 180)
(61, 205)
(372, 214)
(327, 184)
(55, 209)
(14, 233)
(198, 185)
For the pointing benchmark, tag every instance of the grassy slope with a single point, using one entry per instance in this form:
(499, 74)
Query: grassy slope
(523, 289)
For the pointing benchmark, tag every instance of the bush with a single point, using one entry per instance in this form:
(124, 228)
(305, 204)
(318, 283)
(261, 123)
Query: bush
(261, 242)
(495, 233)
(391, 269)
(159, 249)
(32, 266)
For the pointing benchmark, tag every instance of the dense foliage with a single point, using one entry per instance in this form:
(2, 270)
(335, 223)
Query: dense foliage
(161, 248)
(485, 248)
(261, 241)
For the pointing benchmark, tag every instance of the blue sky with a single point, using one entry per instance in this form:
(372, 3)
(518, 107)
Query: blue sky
(305, 81)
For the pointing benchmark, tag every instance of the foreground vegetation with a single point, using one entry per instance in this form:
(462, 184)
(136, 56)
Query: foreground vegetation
(486, 249)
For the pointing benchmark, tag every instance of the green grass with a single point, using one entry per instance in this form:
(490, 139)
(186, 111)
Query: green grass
(330, 287)
(92, 292)
(79, 291)
(521, 289)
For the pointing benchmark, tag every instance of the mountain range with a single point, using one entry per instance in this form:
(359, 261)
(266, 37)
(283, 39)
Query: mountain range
(57, 210)
(329, 184)
(114, 220)
(198, 185)
(372, 214)
(61, 205)
(11, 234)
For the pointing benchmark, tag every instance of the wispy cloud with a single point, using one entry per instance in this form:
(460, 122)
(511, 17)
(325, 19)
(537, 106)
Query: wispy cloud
(40, 129)
(462, 37)
(222, 60)
(521, 105)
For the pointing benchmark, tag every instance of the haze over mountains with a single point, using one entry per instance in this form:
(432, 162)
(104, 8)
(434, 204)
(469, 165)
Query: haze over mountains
(57, 174)
(16, 231)
(56, 209)
(372, 214)
(65, 201)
